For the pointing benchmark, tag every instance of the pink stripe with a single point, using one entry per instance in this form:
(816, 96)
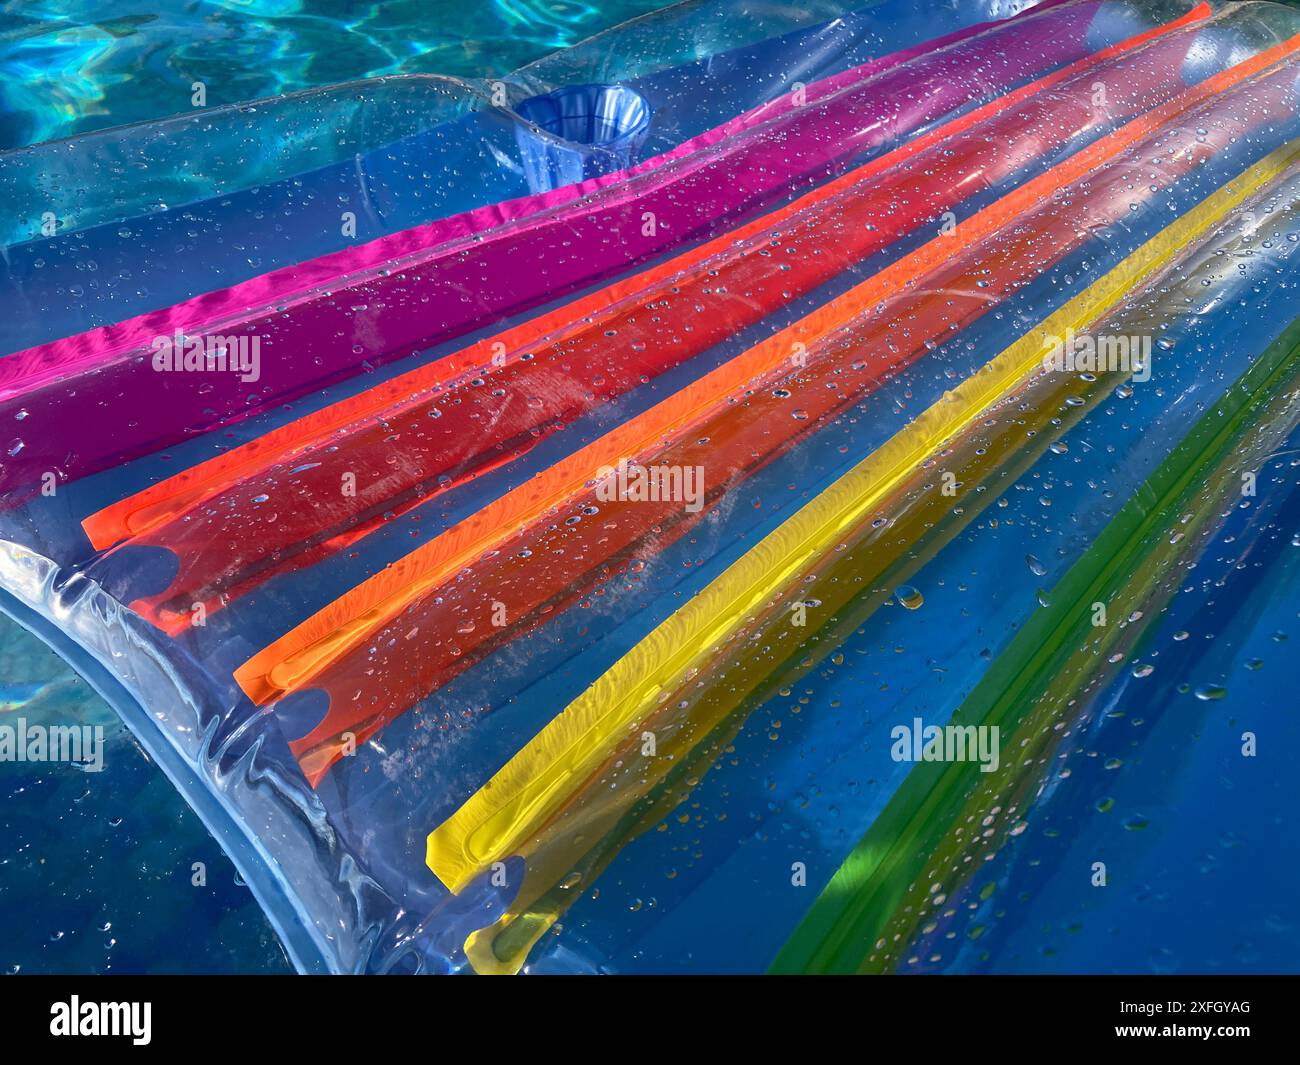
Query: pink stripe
(122, 407)
(207, 312)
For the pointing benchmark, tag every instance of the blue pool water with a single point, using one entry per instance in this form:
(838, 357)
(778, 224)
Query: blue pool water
(71, 66)
(103, 865)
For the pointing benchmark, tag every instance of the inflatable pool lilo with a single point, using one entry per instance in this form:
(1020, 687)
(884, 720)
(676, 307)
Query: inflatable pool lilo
(518, 516)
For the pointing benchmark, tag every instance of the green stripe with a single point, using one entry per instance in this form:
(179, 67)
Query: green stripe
(862, 903)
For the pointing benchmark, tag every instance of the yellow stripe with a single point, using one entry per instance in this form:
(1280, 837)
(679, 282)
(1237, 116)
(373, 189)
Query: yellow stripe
(509, 809)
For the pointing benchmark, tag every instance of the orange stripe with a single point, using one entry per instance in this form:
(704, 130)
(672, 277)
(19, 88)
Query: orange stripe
(159, 503)
(291, 662)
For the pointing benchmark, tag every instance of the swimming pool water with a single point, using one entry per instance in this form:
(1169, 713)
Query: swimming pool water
(103, 865)
(71, 66)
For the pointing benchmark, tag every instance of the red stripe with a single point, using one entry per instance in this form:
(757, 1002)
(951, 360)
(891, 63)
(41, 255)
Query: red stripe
(375, 673)
(224, 537)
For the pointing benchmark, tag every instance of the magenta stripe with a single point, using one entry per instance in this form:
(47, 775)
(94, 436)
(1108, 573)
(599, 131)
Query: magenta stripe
(26, 368)
(121, 407)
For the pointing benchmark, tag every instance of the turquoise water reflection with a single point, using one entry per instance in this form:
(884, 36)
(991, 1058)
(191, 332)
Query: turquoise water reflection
(67, 67)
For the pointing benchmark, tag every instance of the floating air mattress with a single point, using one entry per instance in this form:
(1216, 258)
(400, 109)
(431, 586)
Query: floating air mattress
(521, 516)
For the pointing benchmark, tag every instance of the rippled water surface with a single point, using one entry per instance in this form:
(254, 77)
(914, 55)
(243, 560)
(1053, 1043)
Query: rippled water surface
(71, 66)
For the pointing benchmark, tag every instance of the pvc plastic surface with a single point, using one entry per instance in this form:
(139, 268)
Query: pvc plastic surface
(499, 546)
